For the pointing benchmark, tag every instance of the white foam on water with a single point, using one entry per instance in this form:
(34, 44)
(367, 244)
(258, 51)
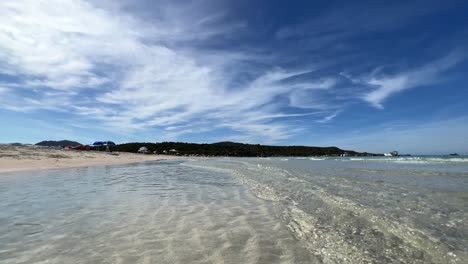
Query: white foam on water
(338, 224)
(316, 158)
(409, 160)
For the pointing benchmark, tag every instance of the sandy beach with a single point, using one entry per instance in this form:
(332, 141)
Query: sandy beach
(30, 157)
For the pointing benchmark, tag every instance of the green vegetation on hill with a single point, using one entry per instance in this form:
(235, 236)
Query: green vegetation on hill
(235, 149)
(52, 143)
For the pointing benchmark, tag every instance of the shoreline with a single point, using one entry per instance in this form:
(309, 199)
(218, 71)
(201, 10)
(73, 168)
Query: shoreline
(29, 158)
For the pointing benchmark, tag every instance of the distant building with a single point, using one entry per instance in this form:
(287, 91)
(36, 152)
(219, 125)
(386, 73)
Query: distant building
(391, 154)
(143, 150)
(173, 151)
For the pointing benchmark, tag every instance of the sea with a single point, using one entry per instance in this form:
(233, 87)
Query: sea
(240, 210)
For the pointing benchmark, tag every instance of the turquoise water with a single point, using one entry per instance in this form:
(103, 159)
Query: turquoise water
(240, 210)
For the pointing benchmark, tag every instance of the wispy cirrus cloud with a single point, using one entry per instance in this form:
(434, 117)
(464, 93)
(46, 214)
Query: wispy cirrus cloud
(328, 118)
(178, 69)
(130, 75)
(386, 86)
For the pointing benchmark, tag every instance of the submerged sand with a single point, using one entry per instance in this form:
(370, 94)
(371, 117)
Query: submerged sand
(31, 157)
(153, 212)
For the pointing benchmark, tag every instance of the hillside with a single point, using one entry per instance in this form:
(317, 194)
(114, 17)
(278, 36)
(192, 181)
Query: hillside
(52, 143)
(236, 149)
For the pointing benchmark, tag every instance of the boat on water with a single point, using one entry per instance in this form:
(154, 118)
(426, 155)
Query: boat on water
(391, 154)
(454, 154)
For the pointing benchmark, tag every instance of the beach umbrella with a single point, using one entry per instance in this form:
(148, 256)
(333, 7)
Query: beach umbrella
(98, 144)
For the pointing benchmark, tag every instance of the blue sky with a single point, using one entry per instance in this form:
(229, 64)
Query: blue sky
(365, 75)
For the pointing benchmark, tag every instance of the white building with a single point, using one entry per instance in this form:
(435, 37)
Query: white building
(143, 150)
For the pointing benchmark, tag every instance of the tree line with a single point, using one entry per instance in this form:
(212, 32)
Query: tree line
(233, 149)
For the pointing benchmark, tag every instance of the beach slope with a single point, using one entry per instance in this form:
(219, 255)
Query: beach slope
(30, 157)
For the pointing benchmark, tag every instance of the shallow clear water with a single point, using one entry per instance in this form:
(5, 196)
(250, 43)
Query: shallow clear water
(240, 210)
(147, 213)
(365, 210)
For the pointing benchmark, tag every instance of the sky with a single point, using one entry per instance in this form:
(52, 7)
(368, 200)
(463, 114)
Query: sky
(370, 76)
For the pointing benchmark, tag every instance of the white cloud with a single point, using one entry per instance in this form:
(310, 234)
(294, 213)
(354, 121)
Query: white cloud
(102, 64)
(41, 41)
(328, 118)
(114, 68)
(389, 85)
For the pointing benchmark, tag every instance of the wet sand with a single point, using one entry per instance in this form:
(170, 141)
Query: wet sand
(30, 157)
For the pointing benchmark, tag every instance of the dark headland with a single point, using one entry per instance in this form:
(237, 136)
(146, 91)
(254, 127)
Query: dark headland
(53, 143)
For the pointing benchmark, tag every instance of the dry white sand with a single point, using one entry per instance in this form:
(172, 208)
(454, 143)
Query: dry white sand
(30, 157)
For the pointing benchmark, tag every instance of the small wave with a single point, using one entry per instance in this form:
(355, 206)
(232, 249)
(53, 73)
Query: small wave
(412, 160)
(316, 159)
(450, 159)
(358, 159)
